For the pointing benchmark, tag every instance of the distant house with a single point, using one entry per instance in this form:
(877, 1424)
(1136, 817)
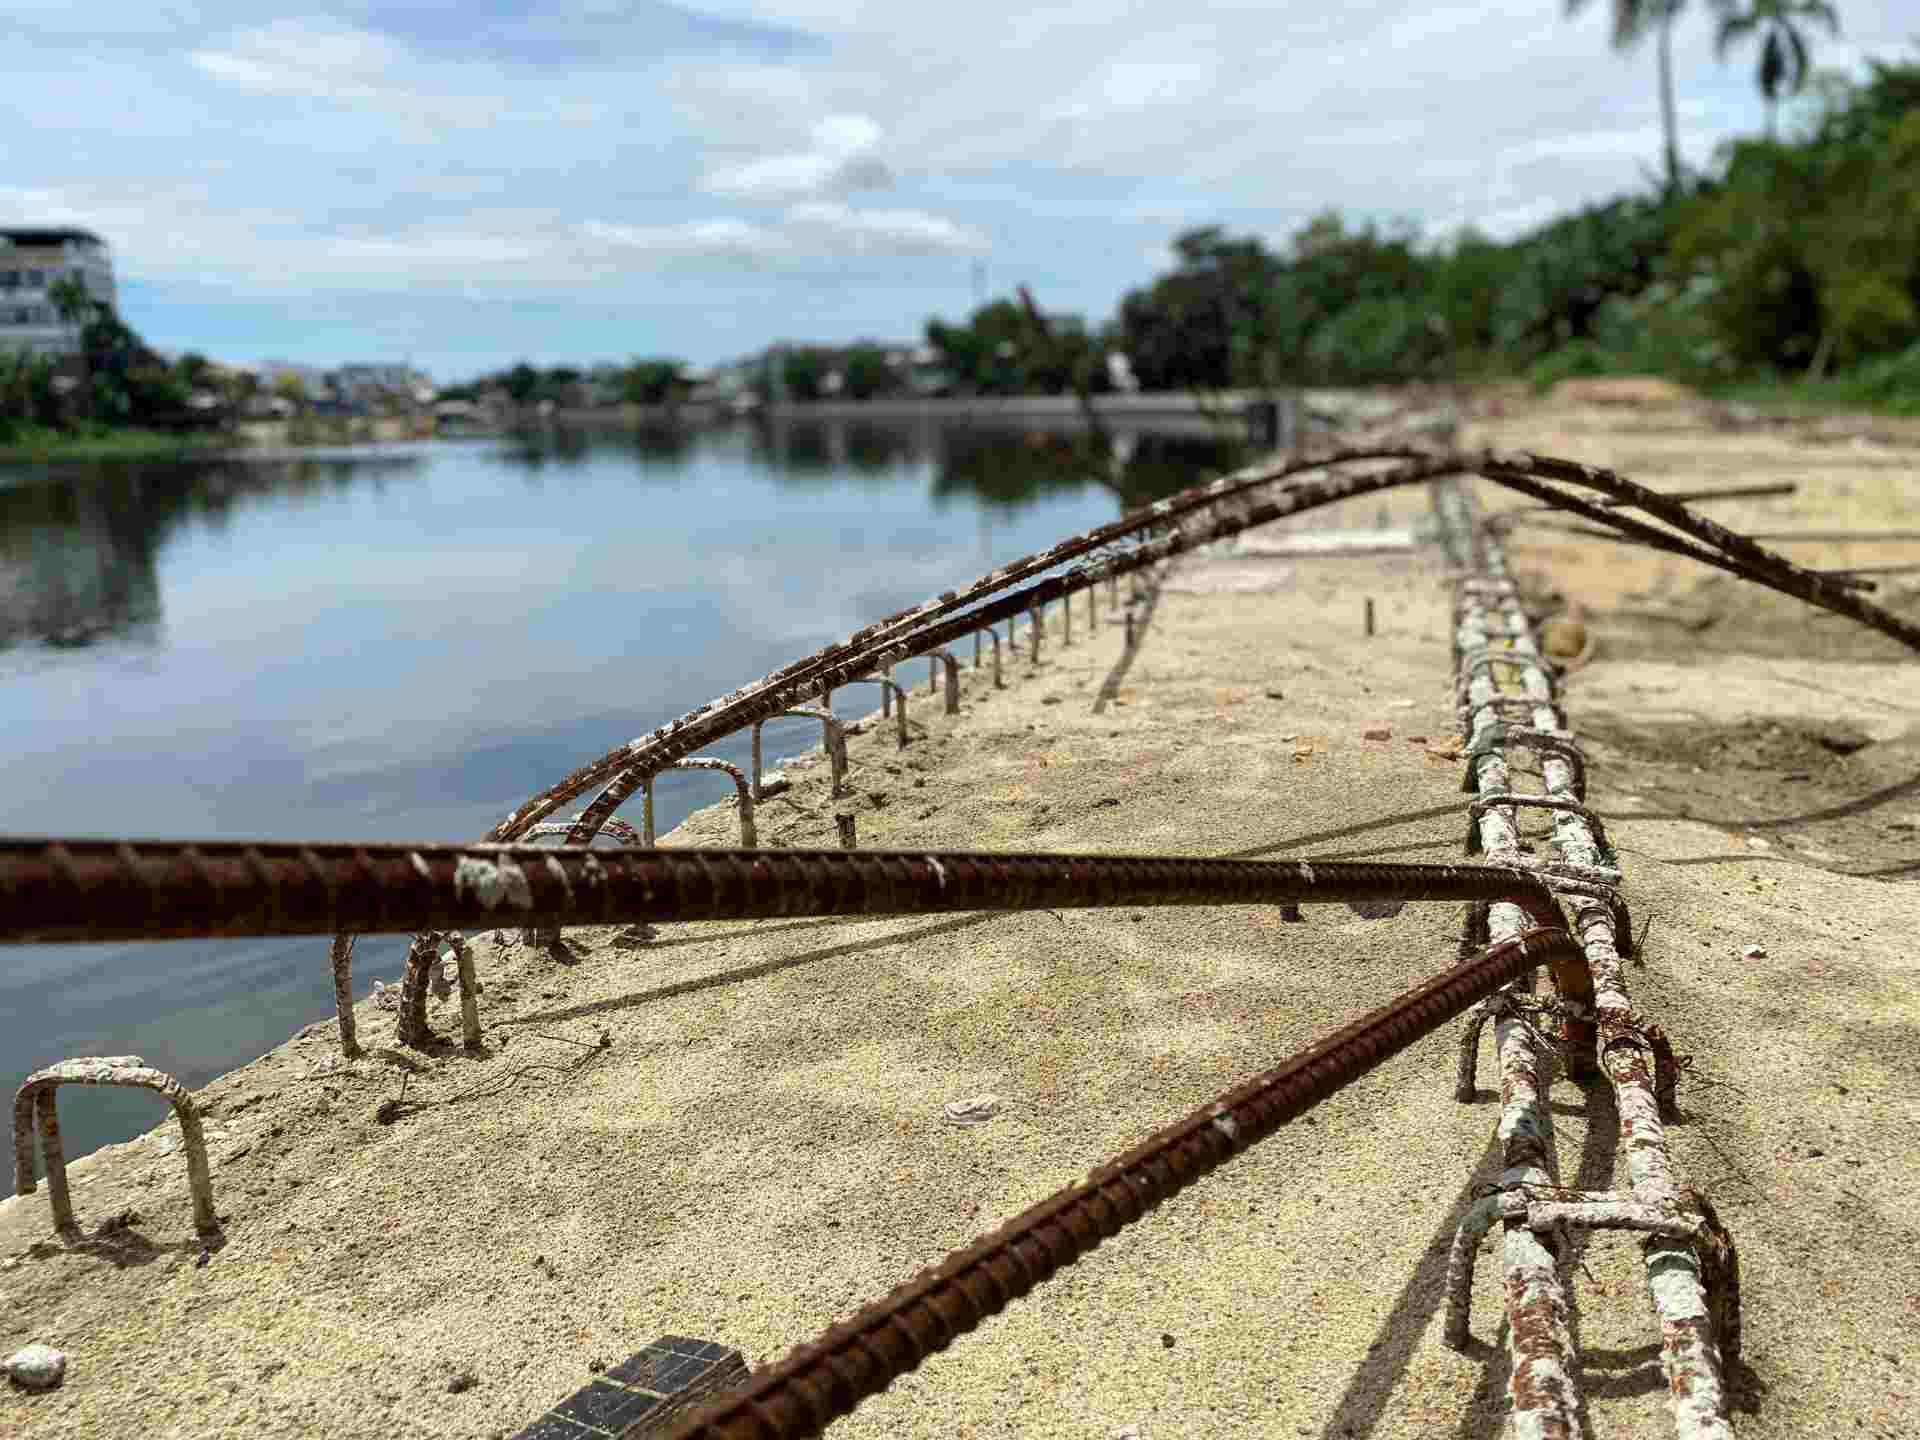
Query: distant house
(32, 262)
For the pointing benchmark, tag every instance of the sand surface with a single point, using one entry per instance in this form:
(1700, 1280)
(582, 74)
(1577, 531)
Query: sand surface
(759, 1148)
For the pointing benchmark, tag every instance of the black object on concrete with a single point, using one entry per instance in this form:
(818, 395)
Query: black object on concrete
(643, 1394)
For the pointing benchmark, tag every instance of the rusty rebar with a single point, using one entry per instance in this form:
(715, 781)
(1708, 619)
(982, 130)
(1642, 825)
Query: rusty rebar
(821, 1381)
(1539, 1336)
(935, 659)
(93, 890)
(430, 952)
(1686, 497)
(35, 1100)
(1229, 510)
(1198, 516)
(833, 741)
(1692, 1269)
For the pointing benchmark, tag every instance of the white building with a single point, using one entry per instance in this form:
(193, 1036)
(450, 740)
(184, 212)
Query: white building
(32, 262)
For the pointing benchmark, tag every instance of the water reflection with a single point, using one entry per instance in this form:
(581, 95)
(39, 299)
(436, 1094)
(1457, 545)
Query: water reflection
(77, 547)
(404, 644)
(1007, 469)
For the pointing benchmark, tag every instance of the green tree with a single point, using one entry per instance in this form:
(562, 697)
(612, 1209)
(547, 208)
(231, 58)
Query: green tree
(802, 371)
(868, 373)
(1632, 19)
(1814, 247)
(26, 392)
(651, 382)
(521, 383)
(290, 389)
(1783, 49)
(195, 370)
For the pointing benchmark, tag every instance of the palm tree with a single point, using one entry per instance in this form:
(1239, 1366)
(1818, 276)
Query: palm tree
(1783, 50)
(1632, 19)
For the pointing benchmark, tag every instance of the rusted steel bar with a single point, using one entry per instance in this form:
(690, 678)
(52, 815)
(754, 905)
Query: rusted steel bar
(1200, 515)
(35, 1100)
(1846, 580)
(341, 958)
(427, 956)
(994, 635)
(1066, 619)
(1523, 471)
(821, 1381)
(1692, 1267)
(589, 822)
(88, 890)
(888, 690)
(615, 827)
(945, 657)
(743, 792)
(1539, 1338)
(1685, 497)
(833, 741)
(1033, 631)
(1196, 517)
(849, 833)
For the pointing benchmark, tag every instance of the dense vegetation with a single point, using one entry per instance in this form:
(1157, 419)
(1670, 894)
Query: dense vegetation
(1795, 258)
(116, 386)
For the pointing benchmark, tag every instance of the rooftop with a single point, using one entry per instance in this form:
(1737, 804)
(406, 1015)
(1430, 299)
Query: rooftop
(44, 236)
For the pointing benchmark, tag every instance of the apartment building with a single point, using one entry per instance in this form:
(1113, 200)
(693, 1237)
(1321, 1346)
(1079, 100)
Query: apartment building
(32, 262)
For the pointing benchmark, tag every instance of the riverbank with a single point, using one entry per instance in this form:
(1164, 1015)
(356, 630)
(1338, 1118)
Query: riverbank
(39, 446)
(758, 1146)
(253, 438)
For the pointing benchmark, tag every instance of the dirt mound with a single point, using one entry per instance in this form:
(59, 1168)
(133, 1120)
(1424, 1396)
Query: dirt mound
(1759, 744)
(1819, 791)
(1642, 390)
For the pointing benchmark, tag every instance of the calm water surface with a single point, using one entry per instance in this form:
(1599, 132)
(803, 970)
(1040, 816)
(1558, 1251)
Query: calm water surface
(405, 643)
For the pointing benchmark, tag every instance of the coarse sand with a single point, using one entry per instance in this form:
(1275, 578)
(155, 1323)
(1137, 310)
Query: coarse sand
(760, 1146)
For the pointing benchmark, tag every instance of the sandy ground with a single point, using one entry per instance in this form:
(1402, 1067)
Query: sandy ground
(760, 1148)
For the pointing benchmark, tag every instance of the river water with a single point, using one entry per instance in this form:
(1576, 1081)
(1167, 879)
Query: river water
(403, 643)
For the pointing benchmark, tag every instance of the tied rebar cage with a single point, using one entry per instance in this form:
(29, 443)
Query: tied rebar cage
(1589, 1026)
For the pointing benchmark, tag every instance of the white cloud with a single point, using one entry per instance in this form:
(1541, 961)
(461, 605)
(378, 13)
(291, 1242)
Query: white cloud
(841, 160)
(807, 233)
(325, 61)
(908, 232)
(705, 239)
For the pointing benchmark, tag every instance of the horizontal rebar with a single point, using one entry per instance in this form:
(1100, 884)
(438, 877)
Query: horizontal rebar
(1689, 497)
(94, 890)
(819, 1382)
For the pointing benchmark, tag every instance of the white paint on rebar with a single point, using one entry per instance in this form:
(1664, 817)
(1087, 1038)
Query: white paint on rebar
(939, 873)
(1223, 1121)
(1306, 871)
(1674, 1283)
(492, 882)
(559, 873)
(419, 863)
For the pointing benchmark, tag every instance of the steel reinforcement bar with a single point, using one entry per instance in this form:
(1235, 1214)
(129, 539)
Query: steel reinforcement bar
(101, 890)
(1692, 1267)
(825, 1379)
(914, 632)
(1234, 508)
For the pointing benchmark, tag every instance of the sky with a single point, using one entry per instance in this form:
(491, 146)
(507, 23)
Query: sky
(574, 181)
